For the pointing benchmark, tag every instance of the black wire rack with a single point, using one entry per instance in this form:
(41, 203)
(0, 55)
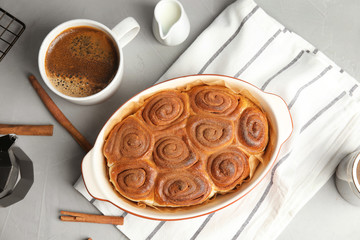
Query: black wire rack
(10, 30)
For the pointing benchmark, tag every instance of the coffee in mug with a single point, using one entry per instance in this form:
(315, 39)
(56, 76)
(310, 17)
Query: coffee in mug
(81, 61)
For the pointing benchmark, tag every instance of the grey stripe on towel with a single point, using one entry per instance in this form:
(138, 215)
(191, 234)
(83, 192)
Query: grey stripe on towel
(202, 226)
(282, 70)
(157, 228)
(353, 89)
(270, 40)
(258, 204)
(316, 116)
(308, 84)
(229, 40)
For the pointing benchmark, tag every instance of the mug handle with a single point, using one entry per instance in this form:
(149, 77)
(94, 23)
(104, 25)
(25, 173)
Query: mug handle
(126, 30)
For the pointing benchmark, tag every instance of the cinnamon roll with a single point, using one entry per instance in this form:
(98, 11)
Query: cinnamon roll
(228, 168)
(134, 180)
(253, 130)
(210, 132)
(165, 109)
(173, 152)
(129, 139)
(182, 188)
(215, 100)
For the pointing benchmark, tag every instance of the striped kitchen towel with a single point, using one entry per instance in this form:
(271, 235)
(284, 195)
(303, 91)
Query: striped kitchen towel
(246, 43)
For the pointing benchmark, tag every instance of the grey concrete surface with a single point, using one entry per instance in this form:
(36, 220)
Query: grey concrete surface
(331, 25)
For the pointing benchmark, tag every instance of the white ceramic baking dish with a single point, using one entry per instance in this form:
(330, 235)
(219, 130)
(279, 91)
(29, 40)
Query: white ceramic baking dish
(94, 170)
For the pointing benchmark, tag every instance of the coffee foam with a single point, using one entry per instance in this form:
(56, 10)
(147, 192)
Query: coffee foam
(81, 61)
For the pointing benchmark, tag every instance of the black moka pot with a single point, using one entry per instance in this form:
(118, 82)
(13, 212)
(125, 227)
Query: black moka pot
(16, 172)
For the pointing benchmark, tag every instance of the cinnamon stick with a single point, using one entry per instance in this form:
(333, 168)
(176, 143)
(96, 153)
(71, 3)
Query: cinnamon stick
(91, 218)
(34, 130)
(58, 115)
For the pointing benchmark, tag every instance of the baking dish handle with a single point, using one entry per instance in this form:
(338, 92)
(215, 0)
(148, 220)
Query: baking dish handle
(89, 176)
(282, 115)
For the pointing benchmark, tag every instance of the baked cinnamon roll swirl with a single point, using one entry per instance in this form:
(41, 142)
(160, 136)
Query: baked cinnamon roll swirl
(134, 180)
(228, 168)
(181, 188)
(216, 100)
(210, 132)
(130, 139)
(165, 109)
(173, 152)
(253, 130)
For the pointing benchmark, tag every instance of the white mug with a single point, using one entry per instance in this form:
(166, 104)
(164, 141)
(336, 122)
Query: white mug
(121, 35)
(347, 178)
